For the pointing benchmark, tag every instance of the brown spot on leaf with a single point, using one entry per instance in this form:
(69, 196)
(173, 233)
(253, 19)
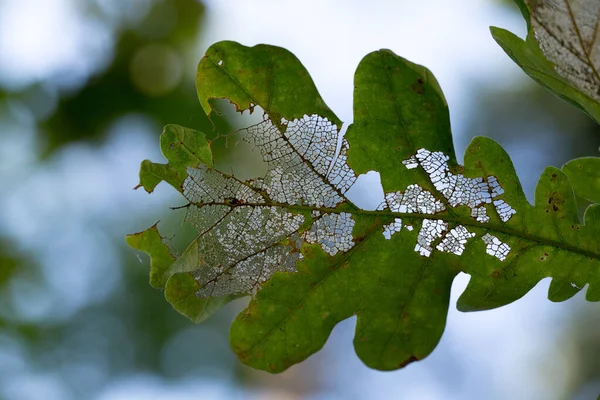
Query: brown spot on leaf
(408, 361)
(554, 201)
(308, 251)
(418, 87)
(250, 311)
(496, 274)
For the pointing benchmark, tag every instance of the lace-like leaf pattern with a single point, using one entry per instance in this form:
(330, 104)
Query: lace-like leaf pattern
(562, 50)
(568, 32)
(310, 258)
(250, 230)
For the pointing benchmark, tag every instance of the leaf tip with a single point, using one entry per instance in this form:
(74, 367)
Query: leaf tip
(494, 30)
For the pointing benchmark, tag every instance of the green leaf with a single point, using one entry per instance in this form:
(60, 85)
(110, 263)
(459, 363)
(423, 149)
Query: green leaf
(310, 258)
(263, 75)
(182, 147)
(584, 174)
(181, 293)
(392, 97)
(167, 272)
(561, 49)
(161, 258)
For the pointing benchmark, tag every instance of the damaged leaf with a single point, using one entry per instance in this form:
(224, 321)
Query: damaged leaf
(182, 147)
(562, 49)
(309, 258)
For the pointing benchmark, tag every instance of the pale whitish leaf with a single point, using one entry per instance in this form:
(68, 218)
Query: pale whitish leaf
(562, 49)
(568, 32)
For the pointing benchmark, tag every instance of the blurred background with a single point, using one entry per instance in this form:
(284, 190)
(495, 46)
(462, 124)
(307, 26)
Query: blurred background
(85, 88)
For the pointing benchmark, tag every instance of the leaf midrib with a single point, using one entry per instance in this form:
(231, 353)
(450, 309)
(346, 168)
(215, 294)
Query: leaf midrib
(503, 229)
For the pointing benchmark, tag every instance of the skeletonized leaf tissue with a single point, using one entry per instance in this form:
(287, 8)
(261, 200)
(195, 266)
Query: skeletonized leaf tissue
(562, 49)
(310, 258)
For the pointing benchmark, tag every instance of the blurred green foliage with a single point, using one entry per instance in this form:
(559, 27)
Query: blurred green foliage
(148, 74)
(8, 262)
